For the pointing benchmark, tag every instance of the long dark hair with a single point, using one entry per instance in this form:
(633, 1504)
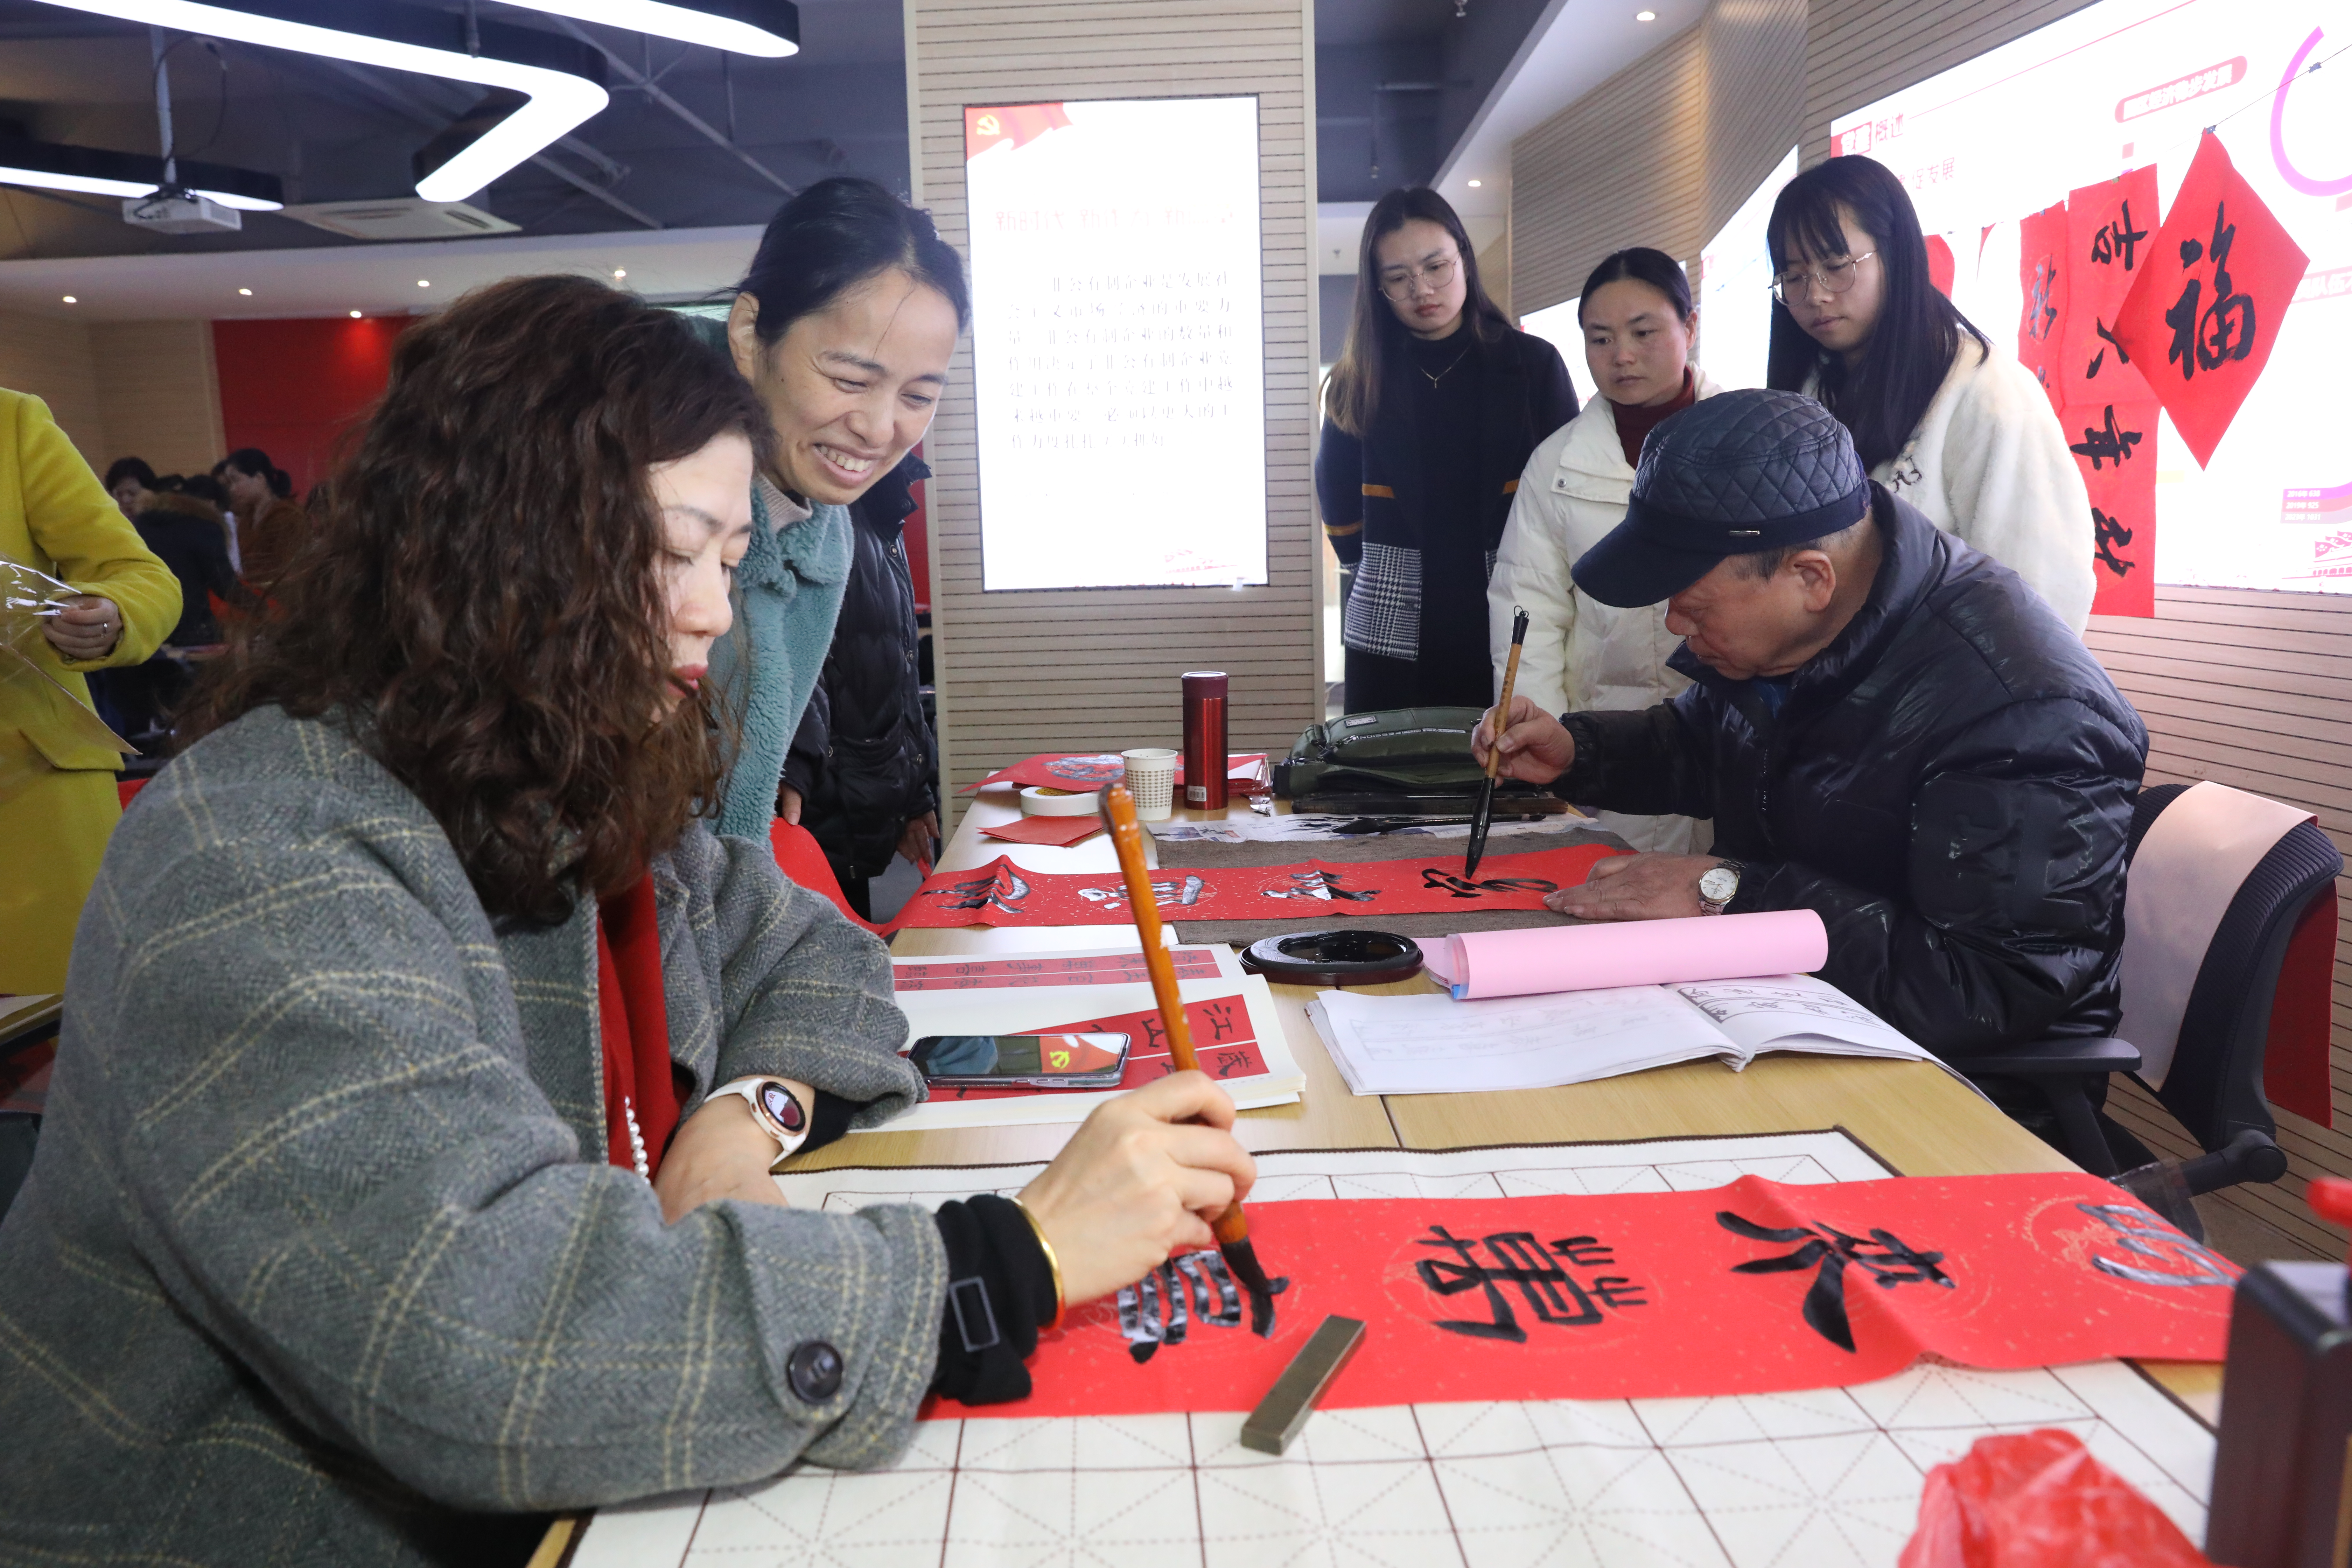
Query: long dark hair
(834, 235)
(1910, 349)
(254, 463)
(1352, 396)
(483, 599)
(1642, 265)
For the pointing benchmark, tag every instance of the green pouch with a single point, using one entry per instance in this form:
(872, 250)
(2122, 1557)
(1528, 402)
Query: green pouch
(1408, 748)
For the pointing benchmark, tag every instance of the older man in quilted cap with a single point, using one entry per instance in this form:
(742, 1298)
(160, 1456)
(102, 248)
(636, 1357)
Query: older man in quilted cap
(1887, 727)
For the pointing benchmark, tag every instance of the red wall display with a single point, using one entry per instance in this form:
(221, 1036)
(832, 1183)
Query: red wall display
(293, 387)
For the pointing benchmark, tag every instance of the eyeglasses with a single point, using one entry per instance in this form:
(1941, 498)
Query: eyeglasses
(1836, 278)
(1433, 275)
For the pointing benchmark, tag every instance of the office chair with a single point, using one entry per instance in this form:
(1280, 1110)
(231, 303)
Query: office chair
(2215, 1084)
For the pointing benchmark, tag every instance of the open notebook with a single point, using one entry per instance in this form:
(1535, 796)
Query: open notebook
(1434, 1044)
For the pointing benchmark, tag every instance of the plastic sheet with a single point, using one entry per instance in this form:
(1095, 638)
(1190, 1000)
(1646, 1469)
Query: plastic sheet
(30, 600)
(2039, 1499)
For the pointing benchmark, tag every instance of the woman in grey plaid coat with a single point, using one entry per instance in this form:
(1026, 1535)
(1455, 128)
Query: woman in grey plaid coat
(322, 1259)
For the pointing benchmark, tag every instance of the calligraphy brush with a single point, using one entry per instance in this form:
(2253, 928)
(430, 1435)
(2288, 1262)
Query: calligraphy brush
(1484, 818)
(1231, 1227)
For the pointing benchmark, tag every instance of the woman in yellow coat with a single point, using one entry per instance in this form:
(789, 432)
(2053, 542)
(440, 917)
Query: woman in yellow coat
(58, 797)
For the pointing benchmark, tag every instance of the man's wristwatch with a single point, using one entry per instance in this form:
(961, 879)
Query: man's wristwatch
(777, 1108)
(1718, 886)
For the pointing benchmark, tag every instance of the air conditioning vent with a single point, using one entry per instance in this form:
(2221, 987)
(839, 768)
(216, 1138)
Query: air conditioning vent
(403, 217)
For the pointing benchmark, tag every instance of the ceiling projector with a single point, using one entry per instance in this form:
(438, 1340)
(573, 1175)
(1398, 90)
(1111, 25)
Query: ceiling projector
(175, 209)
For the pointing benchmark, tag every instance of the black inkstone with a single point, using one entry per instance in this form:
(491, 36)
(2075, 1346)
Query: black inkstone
(814, 1370)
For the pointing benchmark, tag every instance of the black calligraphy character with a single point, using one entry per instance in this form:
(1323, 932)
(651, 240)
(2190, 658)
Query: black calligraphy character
(2111, 533)
(1436, 881)
(1320, 885)
(2091, 371)
(1219, 1016)
(2041, 314)
(1888, 1262)
(2141, 1233)
(1233, 1064)
(1002, 888)
(1159, 1308)
(1152, 1038)
(2117, 238)
(1550, 1292)
(2226, 330)
(2112, 445)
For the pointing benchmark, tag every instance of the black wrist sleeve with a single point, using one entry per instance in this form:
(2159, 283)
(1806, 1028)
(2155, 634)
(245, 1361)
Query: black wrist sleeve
(829, 1120)
(1000, 1290)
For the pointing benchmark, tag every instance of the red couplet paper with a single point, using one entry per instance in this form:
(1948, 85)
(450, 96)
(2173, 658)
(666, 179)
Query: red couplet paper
(1078, 771)
(2110, 231)
(1000, 893)
(1748, 1289)
(1059, 831)
(2203, 313)
(2115, 445)
(2041, 273)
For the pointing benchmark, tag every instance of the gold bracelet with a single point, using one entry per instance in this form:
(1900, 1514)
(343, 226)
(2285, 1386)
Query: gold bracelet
(1053, 1263)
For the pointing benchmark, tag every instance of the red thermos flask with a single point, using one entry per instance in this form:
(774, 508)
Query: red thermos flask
(1204, 739)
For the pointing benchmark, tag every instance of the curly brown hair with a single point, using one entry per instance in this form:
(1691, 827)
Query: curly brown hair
(482, 599)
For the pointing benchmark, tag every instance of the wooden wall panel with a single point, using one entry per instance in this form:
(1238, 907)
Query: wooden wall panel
(1753, 52)
(160, 393)
(51, 358)
(1025, 672)
(2254, 690)
(1624, 164)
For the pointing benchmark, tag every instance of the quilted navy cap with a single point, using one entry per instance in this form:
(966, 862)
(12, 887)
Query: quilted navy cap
(1737, 473)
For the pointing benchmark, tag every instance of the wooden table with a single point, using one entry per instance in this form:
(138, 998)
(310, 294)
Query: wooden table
(1914, 1116)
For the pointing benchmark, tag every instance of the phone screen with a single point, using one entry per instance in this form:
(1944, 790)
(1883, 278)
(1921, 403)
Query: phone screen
(1053, 1061)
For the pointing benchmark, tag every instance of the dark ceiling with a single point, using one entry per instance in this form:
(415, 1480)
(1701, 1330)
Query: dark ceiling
(1397, 81)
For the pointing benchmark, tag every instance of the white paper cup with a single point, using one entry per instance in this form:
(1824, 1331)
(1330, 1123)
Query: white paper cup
(1151, 779)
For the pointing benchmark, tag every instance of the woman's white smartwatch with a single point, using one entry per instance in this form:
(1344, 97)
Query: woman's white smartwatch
(776, 1107)
(1718, 886)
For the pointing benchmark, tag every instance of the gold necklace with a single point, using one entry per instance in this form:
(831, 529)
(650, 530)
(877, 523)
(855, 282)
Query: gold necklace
(1450, 369)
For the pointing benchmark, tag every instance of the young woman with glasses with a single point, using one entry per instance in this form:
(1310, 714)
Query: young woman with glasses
(1939, 415)
(1638, 322)
(1429, 415)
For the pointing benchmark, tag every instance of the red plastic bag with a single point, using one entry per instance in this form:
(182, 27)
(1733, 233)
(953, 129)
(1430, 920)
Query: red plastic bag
(2040, 1500)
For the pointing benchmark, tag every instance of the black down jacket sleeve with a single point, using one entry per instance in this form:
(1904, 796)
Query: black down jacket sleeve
(1648, 762)
(2015, 881)
(805, 763)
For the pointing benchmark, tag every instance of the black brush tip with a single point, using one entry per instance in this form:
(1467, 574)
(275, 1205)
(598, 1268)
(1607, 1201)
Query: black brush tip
(1241, 1256)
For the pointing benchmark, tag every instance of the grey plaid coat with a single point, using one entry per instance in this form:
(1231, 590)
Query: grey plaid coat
(320, 1254)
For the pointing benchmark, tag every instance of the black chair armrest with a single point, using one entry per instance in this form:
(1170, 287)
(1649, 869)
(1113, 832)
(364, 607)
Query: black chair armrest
(2104, 1054)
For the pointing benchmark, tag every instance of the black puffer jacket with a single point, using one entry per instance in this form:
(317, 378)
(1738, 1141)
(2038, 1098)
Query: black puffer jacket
(1948, 785)
(864, 759)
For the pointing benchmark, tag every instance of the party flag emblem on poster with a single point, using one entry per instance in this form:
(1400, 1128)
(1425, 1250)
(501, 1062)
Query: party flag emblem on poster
(1019, 123)
(2202, 316)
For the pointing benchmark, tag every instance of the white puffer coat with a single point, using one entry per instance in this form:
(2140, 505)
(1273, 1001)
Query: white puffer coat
(1581, 655)
(1988, 462)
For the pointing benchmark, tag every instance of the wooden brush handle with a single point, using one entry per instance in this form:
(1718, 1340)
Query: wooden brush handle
(1503, 708)
(1126, 838)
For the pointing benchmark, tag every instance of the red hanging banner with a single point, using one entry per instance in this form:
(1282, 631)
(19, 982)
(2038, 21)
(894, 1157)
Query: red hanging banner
(2115, 445)
(1003, 894)
(2206, 308)
(2110, 230)
(1748, 1289)
(2042, 272)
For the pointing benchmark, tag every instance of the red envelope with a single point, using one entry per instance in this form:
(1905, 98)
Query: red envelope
(2209, 299)
(1059, 831)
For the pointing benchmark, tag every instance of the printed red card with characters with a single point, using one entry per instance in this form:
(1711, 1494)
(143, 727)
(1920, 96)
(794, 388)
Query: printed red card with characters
(1752, 1288)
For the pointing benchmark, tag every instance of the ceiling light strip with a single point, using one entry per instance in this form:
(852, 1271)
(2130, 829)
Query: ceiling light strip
(89, 185)
(558, 100)
(736, 34)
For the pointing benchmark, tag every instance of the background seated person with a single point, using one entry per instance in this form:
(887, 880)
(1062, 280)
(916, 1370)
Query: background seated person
(1889, 728)
(358, 1220)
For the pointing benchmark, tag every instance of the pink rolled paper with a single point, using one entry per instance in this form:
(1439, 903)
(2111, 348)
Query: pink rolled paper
(1630, 952)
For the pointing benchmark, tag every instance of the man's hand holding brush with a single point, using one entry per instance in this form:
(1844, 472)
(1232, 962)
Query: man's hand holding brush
(1137, 1183)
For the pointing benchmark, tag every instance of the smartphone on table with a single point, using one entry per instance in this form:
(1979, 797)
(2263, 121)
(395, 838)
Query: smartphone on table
(1023, 1061)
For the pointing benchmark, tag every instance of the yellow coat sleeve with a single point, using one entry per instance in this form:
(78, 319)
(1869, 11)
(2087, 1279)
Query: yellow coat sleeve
(77, 534)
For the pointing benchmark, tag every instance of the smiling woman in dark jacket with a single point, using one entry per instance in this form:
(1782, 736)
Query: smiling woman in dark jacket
(1428, 419)
(861, 773)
